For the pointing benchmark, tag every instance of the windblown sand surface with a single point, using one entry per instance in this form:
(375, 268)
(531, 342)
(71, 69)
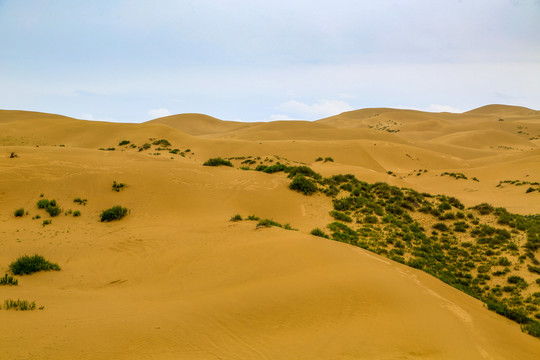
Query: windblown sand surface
(176, 279)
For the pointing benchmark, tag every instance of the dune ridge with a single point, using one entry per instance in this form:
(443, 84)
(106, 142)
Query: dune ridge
(176, 279)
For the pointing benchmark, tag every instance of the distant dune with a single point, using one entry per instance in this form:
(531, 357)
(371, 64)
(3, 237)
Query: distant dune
(175, 279)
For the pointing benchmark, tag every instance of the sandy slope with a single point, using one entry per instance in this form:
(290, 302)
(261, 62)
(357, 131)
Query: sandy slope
(175, 279)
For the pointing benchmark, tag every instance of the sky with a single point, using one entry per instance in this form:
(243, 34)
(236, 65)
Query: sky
(252, 60)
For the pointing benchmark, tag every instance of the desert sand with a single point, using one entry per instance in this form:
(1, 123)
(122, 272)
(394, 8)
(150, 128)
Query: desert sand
(175, 279)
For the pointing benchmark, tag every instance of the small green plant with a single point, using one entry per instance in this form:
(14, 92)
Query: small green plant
(42, 203)
(19, 212)
(115, 213)
(118, 186)
(80, 201)
(162, 142)
(18, 304)
(217, 162)
(319, 232)
(76, 213)
(328, 159)
(25, 265)
(253, 218)
(236, 217)
(145, 146)
(8, 280)
(53, 209)
(268, 223)
(46, 222)
(304, 185)
(123, 142)
(338, 215)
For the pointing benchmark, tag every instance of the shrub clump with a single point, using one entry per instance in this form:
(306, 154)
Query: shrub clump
(304, 185)
(217, 162)
(19, 212)
(115, 213)
(123, 142)
(319, 232)
(338, 215)
(118, 186)
(235, 218)
(30, 264)
(19, 304)
(8, 280)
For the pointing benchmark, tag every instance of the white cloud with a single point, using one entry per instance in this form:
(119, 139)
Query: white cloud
(277, 117)
(157, 113)
(318, 110)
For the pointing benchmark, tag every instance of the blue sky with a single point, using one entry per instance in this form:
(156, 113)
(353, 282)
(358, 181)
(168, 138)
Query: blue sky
(131, 61)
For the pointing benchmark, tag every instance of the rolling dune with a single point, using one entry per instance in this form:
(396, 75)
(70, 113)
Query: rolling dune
(175, 279)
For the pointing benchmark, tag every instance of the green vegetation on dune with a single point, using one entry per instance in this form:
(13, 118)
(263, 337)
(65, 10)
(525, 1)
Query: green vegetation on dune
(30, 264)
(469, 249)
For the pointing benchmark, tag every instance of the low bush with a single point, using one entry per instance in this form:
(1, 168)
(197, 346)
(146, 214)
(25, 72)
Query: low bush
(80, 201)
(236, 217)
(18, 304)
(115, 213)
(118, 186)
(8, 280)
(42, 203)
(145, 146)
(123, 142)
(46, 222)
(19, 212)
(217, 162)
(53, 209)
(162, 142)
(304, 185)
(319, 232)
(25, 265)
(76, 213)
(441, 227)
(253, 218)
(338, 215)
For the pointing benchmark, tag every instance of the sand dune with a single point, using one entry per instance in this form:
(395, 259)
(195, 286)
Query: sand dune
(176, 279)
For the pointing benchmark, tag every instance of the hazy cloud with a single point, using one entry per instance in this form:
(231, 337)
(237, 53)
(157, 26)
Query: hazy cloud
(443, 108)
(318, 110)
(157, 113)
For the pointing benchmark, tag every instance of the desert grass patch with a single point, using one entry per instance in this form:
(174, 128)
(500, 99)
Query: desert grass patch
(22, 305)
(236, 218)
(217, 162)
(26, 265)
(303, 185)
(115, 213)
(117, 186)
(8, 280)
(19, 212)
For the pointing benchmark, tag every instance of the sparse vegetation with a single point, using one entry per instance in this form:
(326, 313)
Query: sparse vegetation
(123, 142)
(235, 218)
(303, 185)
(320, 233)
(217, 162)
(115, 213)
(18, 304)
(8, 280)
(162, 142)
(76, 213)
(19, 212)
(46, 222)
(26, 265)
(81, 201)
(145, 146)
(118, 186)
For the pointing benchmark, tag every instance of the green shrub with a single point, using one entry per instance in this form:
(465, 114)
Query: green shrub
(236, 217)
(304, 185)
(42, 203)
(319, 232)
(8, 280)
(217, 162)
(328, 159)
(30, 264)
(145, 146)
(371, 219)
(80, 201)
(484, 208)
(268, 223)
(123, 142)
(441, 227)
(253, 218)
(338, 215)
(53, 210)
(46, 222)
(115, 213)
(162, 142)
(19, 212)
(76, 213)
(534, 269)
(118, 186)
(18, 304)
(302, 170)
